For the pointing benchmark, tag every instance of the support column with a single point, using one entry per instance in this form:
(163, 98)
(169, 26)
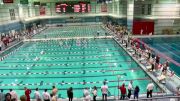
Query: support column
(130, 14)
(20, 11)
(113, 7)
(118, 5)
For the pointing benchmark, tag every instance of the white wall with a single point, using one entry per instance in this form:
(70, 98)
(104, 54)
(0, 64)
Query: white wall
(5, 15)
(165, 13)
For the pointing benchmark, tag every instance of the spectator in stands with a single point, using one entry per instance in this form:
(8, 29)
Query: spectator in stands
(123, 91)
(46, 95)
(136, 92)
(94, 92)
(27, 93)
(104, 89)
(149, 54)
(1, 45)
(4, 41)
(171, 74)
(8, 97)
(87, 96)
(130, 88)
(165, 68)
(14, 96)
(152, 66)
(23, 98)
(150, 88)
(37, 95)
(2, 95)
(157, 60)
(70, 93)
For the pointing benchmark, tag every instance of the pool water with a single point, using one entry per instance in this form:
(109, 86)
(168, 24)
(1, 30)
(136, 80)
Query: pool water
(169, 46)
(71, 31)
(70, 63)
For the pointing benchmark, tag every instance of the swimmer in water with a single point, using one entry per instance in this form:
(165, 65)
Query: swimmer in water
(42, 52)
(36, 59)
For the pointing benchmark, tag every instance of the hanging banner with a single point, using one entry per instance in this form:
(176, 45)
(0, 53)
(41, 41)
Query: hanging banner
(42, 10)
(7, 1)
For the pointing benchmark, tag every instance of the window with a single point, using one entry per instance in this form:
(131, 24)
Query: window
(149, 9)
(143, 9)
(12, 14)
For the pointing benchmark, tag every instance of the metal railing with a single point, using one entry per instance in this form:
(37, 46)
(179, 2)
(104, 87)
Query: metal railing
(162, 98)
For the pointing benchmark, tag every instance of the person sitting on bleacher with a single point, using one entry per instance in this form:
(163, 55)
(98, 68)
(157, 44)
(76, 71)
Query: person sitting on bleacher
(171, 74)
(165, 69)
(161, 78)
(157, 59)
(152, 66)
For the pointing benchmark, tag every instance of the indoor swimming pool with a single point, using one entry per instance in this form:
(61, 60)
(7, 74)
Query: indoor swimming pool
(76, 63)
(170, 46)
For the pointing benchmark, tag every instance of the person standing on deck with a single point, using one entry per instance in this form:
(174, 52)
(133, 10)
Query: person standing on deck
(150, 87)
(94, 92)
(8, 97)
(136, 92)
(37, 95)
(104, 89)
(70, 93)
(86, 94)
(27, 93)
(14, 96)
(123, 91)
(130, 88)
(46, 95)
(2, 95)
(54, 91)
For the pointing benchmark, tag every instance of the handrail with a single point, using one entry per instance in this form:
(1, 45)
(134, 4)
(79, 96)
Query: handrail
(161, 97)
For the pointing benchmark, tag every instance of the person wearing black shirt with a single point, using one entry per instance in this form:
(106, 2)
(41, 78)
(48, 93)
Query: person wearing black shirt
(70, 93)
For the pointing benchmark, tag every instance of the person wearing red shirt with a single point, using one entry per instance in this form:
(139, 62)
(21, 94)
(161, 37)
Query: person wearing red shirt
(123, 91)
(27, 93)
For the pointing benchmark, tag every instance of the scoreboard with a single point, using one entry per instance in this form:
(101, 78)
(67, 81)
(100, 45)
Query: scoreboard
(73, 7)
(8, 1)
